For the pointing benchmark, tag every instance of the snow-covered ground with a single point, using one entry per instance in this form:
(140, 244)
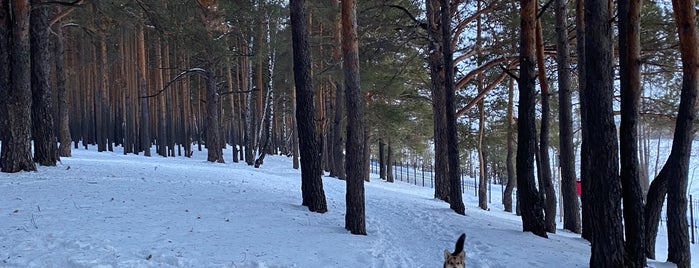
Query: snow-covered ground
(113, 210)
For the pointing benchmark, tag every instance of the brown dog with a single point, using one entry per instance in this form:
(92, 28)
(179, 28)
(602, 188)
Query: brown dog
(458, 258)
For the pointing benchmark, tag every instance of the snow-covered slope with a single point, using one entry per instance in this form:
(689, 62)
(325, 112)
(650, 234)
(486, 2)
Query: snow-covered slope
(111, 210)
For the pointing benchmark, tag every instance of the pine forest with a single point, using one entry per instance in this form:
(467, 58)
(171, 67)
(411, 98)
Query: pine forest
(536, 96)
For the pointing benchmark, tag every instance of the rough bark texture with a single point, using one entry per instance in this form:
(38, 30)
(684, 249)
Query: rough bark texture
(213, 136)
(338, 140)
(45, 147)
(482, 166)
(678, 236)
(584, 152)
(16, 152)
(145, 140)
(531, 207)
(511, 178)
(4, 64)
(455, 196)
(605, 184)
(630, 79)
(571, 209)
(311, 181)
(367, 154)
(354, 217)
(544, 159)
(435, 62)
(295, 134)
(62, 101)
(654, 205)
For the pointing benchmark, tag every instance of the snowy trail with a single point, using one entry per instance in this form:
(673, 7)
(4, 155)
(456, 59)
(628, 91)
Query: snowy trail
(110, 210)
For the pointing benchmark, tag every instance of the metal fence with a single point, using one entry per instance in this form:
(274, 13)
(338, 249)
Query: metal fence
(421, 175)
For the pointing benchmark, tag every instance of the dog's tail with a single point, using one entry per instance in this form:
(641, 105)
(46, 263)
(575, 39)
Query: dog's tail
(459, 245)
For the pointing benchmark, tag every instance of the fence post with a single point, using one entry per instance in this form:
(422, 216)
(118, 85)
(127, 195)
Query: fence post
(415, 172)
(475, 186)
(423, 174)
(490, 192)
(395, 171)
(691, 216)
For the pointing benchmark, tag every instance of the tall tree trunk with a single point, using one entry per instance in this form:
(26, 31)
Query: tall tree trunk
(160, 99)
(338, 155)
(511, 178)
(630, 78)
(654, 206)
(295, 133)
(677, 226)
(249, 138)
(584, 146)
(483, 174)
(482, 170)
(355, 220)
(367, 154)
(435, 61)
(102, 83)
(455, 196)
(571, 208)
(213, 137)
(532, 211)
(145, 108)
(544, 159)
(4, 64)
(605, 184)
(311, 181)
(45, 147)
(16, 152)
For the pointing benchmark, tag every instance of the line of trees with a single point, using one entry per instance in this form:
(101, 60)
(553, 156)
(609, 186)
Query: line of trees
(267, 77)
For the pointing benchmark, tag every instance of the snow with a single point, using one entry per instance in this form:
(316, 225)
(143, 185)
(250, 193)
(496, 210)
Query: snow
(113, 210)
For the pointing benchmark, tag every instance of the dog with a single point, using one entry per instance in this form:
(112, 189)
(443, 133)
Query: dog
(458, 258)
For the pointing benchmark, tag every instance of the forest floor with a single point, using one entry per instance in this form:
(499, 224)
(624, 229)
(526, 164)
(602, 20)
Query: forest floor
(113, 210)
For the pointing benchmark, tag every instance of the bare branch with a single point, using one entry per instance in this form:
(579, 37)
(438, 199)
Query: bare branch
(198, 71)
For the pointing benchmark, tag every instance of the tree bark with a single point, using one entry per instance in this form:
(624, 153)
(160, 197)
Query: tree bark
(511, 178)
(584, 147)
(16, 152)
(63, 116)
(455, 197)
(213, 135)
(295, 133)
(678, 236)
(4, 64)
(311, 181)
(160, 100)
(143, 91)
(338, 141)
(483, 173)
(630, 79)
(654, 206)
(355, 220)
(45, 147)
(532, 211)
(435, 62)
(605, 183)
(571, 209)
(544, 159)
